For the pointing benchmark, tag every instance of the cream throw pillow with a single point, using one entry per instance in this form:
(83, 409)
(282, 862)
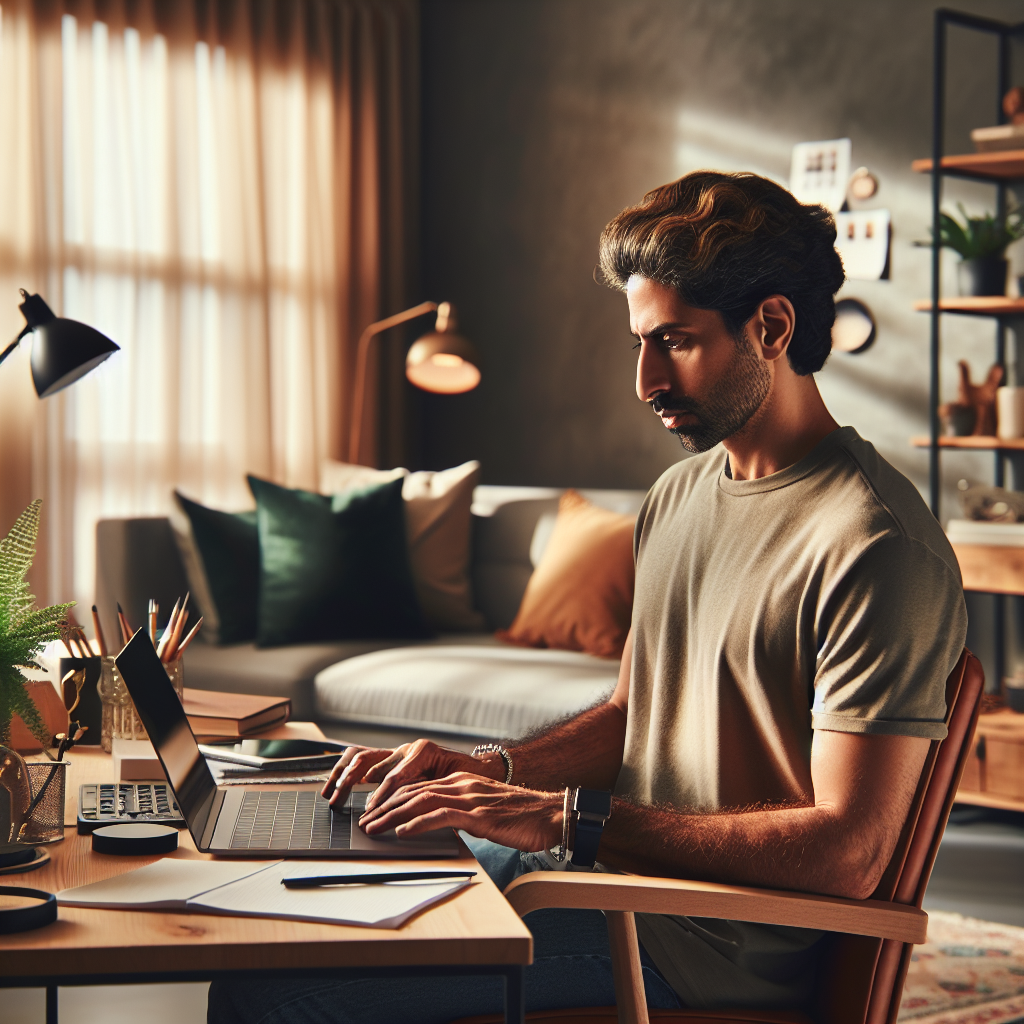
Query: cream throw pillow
(438, 527)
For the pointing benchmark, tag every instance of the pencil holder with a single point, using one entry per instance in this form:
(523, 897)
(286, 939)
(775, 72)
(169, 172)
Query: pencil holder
(45, 821)
(89, 712)
(120, 719)
(176, 674)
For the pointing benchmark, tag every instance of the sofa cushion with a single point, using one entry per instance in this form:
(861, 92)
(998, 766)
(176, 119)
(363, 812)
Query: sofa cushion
(580, 596)
(285, 671)
(334, 568)
(221, 555)
(437, 524)
(494, 690)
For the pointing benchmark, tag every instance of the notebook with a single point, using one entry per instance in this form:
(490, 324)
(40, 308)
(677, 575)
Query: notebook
(254, 889)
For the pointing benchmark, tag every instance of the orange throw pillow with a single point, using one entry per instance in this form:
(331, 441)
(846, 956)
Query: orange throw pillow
(580, 596)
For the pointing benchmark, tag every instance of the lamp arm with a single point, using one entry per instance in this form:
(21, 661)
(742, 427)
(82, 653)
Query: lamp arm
(362, 352)
(14, 344)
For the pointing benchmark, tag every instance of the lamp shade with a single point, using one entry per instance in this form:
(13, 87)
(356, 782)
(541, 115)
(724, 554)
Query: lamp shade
(62, 350)
(443, 361)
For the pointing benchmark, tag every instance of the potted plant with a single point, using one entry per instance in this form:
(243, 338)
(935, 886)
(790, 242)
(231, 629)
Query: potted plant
(981, 243)
(24, 631)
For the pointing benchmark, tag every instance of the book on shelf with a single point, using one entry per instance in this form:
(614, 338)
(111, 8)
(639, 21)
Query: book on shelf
(233, 715)
(986, 534)
(998, 137)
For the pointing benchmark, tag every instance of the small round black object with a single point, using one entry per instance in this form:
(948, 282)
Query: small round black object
(22, 855)
(23, 919)
(135, 839)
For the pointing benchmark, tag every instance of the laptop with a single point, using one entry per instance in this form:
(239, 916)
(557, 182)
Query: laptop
(235, 821)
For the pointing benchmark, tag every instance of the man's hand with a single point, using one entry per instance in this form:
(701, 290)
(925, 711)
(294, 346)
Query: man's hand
(523, 819)
(411, 762)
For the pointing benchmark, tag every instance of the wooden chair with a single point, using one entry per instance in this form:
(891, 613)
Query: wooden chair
(868, 951)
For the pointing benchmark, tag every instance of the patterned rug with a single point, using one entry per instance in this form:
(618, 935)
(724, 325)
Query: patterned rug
(968, 972)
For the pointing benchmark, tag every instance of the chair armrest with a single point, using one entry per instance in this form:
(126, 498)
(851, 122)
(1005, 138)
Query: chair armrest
(876, 918)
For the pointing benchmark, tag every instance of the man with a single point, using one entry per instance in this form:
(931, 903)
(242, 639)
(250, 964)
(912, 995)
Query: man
(797, 611)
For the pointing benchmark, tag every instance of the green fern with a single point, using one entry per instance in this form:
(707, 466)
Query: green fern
(24, 629)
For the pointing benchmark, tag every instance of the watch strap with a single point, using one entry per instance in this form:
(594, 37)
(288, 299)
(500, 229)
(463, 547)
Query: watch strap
(592, 808)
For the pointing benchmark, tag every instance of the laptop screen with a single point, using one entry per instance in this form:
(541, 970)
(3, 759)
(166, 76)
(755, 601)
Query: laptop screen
(165, 721)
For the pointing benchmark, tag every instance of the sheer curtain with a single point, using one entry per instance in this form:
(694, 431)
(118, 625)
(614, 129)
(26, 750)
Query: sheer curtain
(224, 189)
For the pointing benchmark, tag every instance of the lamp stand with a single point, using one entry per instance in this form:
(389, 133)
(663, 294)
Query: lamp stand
(362, 352)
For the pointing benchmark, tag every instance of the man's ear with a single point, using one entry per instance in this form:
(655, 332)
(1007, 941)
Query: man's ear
(773, 322)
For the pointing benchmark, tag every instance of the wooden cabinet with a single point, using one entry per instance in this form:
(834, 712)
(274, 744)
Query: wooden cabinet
(994, 774)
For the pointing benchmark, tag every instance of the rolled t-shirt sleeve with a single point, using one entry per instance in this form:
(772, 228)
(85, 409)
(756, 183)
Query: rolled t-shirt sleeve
(889, 634)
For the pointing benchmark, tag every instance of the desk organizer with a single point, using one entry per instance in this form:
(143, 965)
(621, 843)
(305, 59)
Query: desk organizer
(120, 719)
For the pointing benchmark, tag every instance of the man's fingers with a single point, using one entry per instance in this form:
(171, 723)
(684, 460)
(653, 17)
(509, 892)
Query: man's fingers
(439, 818)
(409, 801)
(339, 766)
(415, 807)
(354, 772)
(401, 794)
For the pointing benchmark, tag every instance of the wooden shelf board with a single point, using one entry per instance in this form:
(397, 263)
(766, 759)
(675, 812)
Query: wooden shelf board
(1001, 803)
(990, 569)
(975, 305)
(980, 442)
(1001, 165)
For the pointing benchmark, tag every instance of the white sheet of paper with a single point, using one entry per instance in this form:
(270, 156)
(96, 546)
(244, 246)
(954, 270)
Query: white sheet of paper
(820, 172)
(862, 238)
(388, 905)
(164, 884)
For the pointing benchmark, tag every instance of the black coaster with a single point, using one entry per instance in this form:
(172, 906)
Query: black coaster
(133, 840)
(35, 915)
(36, 859)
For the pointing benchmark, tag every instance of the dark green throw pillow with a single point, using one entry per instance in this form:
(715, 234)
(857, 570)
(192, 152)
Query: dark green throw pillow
(334, 568)
(228, 547)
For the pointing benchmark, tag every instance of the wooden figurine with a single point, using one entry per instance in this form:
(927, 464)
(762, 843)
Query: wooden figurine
(978, 398)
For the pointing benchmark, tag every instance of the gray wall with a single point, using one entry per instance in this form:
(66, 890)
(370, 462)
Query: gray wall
(543, 118)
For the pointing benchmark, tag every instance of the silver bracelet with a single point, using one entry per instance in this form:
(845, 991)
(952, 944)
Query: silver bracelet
(496, 748)
(563, 849)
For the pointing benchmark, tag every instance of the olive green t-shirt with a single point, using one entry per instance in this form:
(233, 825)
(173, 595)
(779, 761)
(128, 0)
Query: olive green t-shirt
(825, 596)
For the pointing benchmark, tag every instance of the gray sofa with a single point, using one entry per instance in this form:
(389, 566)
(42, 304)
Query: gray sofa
(471, 685)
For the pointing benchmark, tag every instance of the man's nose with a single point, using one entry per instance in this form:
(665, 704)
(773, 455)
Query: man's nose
(651, 373)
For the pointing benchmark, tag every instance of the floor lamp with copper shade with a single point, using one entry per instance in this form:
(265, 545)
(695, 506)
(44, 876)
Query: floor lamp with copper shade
(441, 361)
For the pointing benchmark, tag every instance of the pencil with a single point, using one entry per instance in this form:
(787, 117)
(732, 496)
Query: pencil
(100, 639)
(176, 630)
(126, 629)
(153, 608)
(168, 629)
(188, 639)
(179, 628)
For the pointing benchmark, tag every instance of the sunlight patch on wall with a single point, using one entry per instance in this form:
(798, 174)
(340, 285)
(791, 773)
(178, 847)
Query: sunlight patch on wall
(709, 141)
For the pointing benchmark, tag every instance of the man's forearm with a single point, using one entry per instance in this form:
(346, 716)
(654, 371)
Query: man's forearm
(585, 751)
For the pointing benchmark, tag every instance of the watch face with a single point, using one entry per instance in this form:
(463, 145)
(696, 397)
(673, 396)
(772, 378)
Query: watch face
(593, 801)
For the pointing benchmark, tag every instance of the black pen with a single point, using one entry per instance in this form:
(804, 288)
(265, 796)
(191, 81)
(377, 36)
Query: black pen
(314, 881)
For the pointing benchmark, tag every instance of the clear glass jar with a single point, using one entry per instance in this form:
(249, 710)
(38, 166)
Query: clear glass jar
(120, 719)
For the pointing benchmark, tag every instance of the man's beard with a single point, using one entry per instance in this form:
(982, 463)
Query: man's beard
(727, 407)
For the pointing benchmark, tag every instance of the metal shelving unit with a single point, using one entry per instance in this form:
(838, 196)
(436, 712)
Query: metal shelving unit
(1000, 170)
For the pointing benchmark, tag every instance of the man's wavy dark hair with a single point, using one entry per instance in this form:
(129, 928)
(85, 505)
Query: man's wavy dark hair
(728, 241)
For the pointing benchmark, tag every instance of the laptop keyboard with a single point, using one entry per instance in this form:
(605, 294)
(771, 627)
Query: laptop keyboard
(293, 820)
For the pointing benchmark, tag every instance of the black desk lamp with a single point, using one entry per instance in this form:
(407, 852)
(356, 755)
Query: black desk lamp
(63, 350)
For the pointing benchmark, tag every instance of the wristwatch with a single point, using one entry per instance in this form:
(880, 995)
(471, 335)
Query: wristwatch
(592, 808)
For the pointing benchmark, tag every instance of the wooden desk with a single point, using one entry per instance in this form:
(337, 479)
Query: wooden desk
(475, 931)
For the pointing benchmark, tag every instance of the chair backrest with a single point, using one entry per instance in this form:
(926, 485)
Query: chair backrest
(862, 979)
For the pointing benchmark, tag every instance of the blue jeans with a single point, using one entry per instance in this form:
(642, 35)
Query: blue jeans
(571, 967)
